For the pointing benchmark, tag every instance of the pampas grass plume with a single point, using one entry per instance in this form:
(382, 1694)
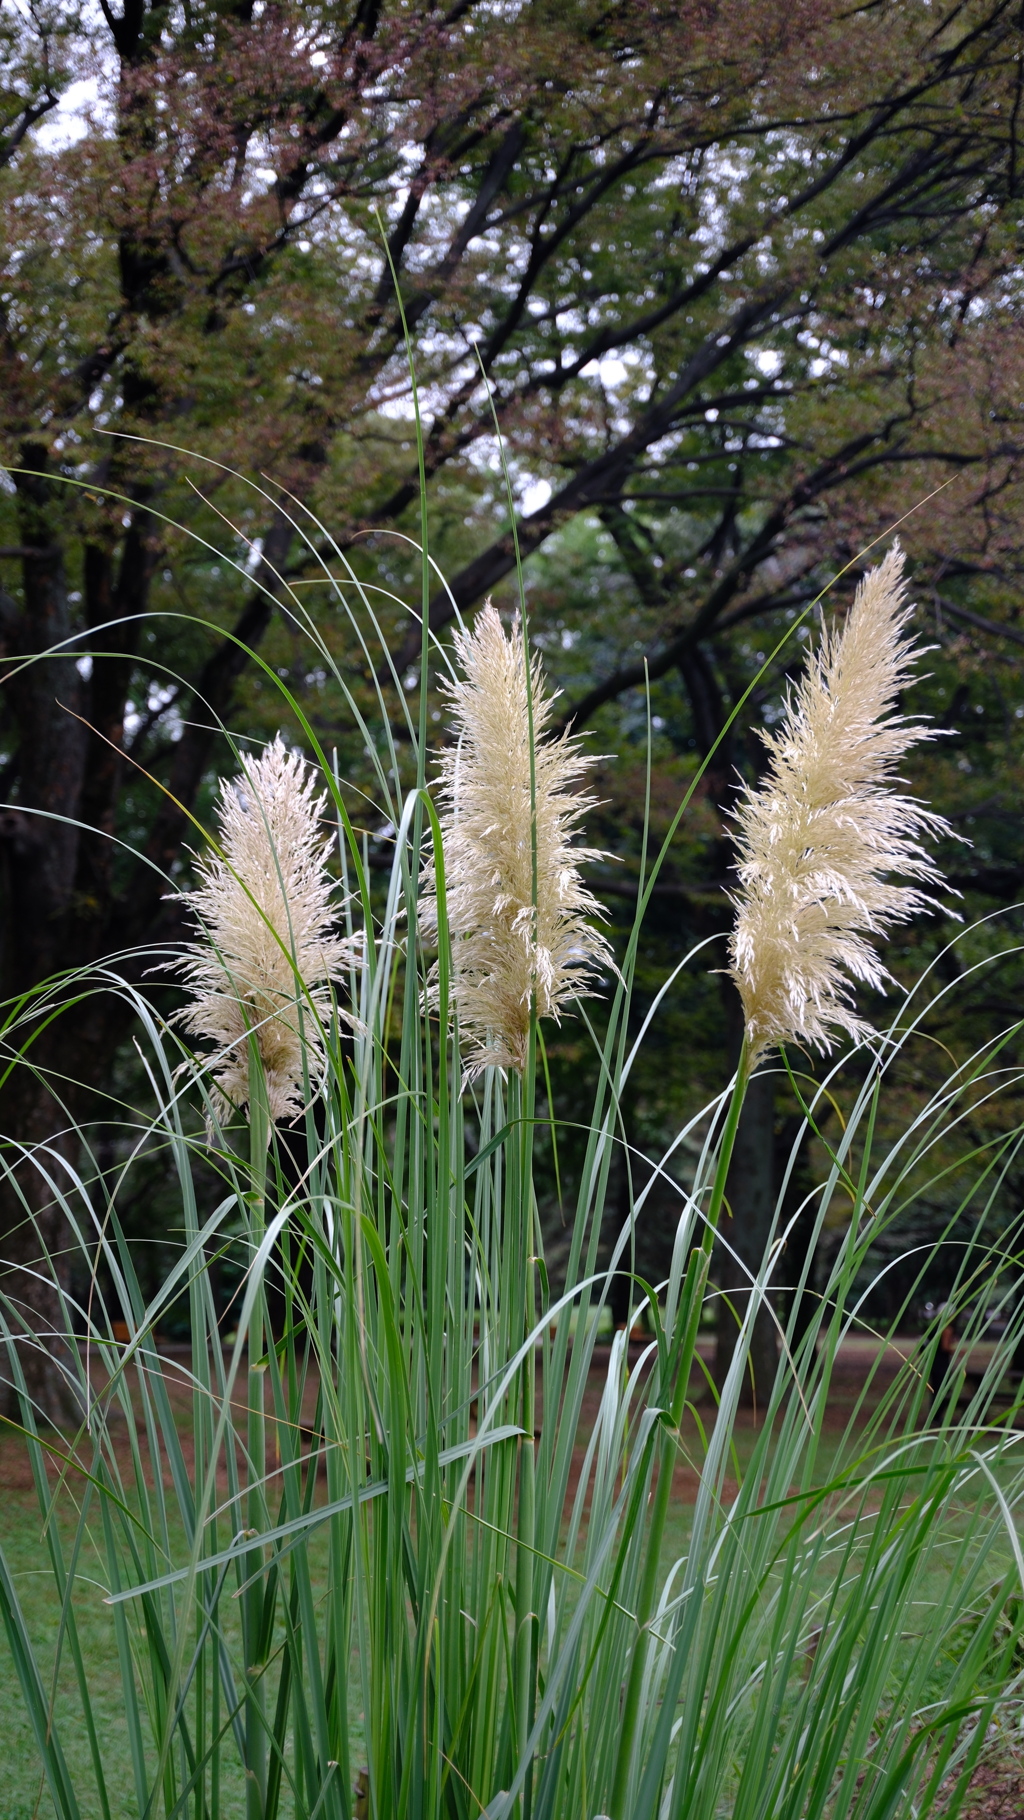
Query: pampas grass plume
(266, 909)
(509, 951)
(822, 837)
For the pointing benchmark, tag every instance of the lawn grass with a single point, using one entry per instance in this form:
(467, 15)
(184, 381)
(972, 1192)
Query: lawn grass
(24, 1789)
(24, 1793)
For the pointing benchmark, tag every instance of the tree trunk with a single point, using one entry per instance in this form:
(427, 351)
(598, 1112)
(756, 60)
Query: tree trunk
(39, 844)
(744, 1235)
(799, 1218)
(59, 909)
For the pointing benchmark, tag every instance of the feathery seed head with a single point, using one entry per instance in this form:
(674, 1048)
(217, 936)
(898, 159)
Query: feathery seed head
(820, 838)
(265, 908)
(515, 938)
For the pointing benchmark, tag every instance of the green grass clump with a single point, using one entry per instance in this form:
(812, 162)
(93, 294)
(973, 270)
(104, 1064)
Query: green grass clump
(378, 1555)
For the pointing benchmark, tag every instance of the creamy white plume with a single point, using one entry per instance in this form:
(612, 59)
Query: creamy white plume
(513, 939)
(822, 837)
(266, 908)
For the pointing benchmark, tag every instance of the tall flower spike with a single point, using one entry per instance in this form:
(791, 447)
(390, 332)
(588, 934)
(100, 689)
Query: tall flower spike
(508, 950)
(265, 908)
(819, 840)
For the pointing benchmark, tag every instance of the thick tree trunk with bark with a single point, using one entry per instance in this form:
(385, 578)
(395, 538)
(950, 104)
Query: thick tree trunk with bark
(39, 848)
(59, 909)
(745, 1234)
(799, 1219)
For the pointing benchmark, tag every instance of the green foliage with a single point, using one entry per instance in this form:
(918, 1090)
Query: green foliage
(739, 287)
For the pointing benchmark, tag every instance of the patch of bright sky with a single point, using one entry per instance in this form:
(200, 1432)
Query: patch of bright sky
(158, 697)
(72, 118)
(769, 360)
(535, 494)
(83, 101)
(611, 370)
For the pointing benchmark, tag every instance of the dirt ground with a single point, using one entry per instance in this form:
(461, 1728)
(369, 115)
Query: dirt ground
(997, 1791)
(857, 1358)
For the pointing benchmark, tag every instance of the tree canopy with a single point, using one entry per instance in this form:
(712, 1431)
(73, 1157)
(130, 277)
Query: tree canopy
(737, 286)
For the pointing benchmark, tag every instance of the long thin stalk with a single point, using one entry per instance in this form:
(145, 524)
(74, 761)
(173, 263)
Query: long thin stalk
(254, 1624)
(667, 1445)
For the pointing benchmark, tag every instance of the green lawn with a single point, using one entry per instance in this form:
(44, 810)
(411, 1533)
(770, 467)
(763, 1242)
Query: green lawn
(23, 1795)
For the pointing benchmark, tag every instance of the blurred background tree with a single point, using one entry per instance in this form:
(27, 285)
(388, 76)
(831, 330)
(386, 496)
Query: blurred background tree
(741, 284)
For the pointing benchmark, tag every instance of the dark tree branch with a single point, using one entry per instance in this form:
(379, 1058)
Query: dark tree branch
(667, 655)
(30, 116)
(992, 627)
(592, 482)
(213, 694)
(493, 180)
